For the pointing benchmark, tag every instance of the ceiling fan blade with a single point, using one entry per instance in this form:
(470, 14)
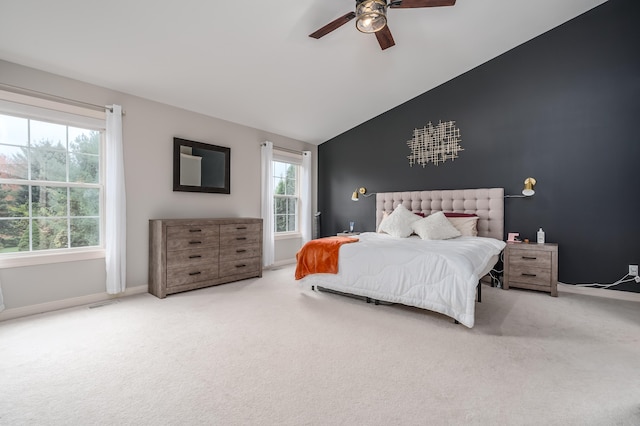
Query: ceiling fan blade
(405, 4)
(385, 39)
(333, 25)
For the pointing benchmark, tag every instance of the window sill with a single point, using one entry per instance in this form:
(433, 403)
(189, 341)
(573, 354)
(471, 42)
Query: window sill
(33, 259)
(287, 235)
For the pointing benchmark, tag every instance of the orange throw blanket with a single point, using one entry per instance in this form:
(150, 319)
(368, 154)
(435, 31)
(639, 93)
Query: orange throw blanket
(320, 256)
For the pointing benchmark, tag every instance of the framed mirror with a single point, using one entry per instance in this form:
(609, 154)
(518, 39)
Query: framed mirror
(200, 167)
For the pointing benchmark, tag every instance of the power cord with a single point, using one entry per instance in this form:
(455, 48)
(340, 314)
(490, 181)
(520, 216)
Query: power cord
(625, 279)
(495, 280)
(495, 274)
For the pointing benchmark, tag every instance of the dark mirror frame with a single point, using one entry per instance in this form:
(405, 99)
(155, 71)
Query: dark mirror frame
(177, 143)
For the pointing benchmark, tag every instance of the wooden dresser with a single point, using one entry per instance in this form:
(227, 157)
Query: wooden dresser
(185, 254)
(532, 266)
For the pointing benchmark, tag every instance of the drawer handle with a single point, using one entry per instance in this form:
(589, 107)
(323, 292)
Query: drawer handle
(195, 273)
(195, 256)
(241, 266)
(195, 230)
(241, 227)
(529, 258)
(529, 275)
(240, 251)
(241, 238)
(195, 242)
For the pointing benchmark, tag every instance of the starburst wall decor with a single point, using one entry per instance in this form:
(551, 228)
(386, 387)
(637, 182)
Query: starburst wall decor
(435, 144)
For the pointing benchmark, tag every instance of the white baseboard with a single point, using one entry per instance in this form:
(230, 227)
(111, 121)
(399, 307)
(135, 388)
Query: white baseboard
(68, 303)
(281, 263)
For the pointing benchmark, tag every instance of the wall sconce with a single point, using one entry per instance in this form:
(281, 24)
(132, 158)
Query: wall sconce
(360, 191)
(529, 183)
(527, 191)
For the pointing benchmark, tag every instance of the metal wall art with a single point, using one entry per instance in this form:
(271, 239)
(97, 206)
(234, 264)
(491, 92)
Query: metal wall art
(435, 144)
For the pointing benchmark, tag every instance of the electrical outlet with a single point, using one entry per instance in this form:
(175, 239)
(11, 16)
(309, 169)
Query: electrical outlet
(633, 270)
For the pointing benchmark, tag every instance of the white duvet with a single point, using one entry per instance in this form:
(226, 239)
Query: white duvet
(437, 275)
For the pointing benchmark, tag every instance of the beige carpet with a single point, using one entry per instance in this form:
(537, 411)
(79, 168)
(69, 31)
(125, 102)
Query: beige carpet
(265, 352)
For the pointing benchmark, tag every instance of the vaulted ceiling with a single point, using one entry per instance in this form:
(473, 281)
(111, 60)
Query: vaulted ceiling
(251, 61)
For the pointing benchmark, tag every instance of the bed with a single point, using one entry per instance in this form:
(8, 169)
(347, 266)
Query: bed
(440, 275)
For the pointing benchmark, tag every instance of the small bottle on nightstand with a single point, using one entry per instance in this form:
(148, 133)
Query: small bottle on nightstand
(540, 236)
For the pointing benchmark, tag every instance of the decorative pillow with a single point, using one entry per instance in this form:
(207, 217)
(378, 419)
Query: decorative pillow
(468, 226)
(435, 227)
(384, 216)
(398, 223)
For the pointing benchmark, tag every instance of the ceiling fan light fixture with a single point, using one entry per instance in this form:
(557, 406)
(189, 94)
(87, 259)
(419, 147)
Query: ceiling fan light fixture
(371, 15)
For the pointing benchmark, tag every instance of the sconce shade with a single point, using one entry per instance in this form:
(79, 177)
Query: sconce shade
(371, 15)
(529, 183)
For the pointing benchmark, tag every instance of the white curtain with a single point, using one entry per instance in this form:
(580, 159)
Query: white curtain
(115, 203)
(1, 299)
(268, 251)
(306, 197)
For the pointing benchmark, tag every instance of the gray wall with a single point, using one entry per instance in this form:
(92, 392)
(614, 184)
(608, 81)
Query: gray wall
(562, 108)
(148, 131)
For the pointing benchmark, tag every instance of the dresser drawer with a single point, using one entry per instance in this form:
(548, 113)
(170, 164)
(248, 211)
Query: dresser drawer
(186, 237)
(240, 234)
(240, 251)
(178, 258)
(530, 258)
(240, 266)
(191, 274)
(235, 240)
(240, 229)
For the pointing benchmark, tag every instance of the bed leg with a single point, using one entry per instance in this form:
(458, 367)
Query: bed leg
(368, 300)
(376, 301)
(455, 321)
(480, 292)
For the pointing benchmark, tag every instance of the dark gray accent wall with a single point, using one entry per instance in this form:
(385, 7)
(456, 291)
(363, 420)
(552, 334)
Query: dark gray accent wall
(563, 108)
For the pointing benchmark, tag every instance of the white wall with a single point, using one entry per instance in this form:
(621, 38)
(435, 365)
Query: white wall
(148, 131)
(286, 250)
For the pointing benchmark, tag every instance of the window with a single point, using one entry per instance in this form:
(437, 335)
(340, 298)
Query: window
(51, 185)
(286, 188)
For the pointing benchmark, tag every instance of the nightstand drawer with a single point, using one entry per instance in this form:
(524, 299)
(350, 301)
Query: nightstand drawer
(527, 275)
(530, 258)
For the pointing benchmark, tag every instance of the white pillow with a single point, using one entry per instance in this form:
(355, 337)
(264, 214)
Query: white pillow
(468, 226)
(385, 215)
(436, 226)
(398, 223)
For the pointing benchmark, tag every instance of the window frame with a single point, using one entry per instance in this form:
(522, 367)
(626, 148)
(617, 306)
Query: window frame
(295, 160)
(22, 106)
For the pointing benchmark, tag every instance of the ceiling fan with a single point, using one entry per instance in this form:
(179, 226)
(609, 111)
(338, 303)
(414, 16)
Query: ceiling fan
(372, 17)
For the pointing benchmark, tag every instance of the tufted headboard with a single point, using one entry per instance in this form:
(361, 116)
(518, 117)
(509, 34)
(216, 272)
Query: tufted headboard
(487, 203)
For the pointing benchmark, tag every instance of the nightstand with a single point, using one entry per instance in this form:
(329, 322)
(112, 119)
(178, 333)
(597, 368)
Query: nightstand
(347, 234)
(531, 266)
